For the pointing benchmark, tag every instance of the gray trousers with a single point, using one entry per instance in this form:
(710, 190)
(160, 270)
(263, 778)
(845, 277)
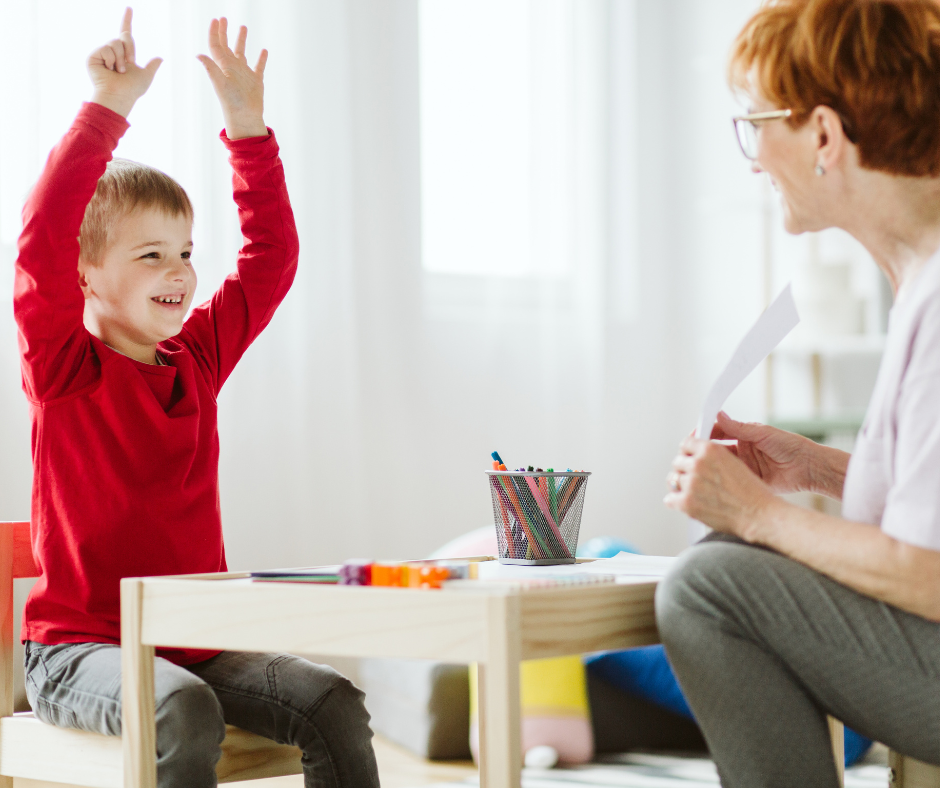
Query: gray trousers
(765, 647)
(281, 697)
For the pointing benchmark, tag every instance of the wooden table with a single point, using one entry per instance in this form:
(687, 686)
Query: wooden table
(494, 625)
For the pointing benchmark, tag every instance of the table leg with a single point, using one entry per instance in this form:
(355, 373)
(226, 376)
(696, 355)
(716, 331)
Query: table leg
(499, 715)
(138, 706)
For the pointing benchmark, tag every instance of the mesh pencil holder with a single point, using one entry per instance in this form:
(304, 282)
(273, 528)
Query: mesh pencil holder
(537, 515)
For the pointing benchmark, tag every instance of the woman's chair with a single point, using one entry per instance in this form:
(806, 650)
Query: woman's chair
(906, 772)
(909, 773)
(36, 755)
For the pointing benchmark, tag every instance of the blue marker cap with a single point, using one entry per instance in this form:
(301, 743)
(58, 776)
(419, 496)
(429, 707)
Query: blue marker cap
(495, 456)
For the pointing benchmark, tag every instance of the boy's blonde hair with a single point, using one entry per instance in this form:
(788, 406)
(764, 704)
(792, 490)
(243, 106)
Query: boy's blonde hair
(125, 187)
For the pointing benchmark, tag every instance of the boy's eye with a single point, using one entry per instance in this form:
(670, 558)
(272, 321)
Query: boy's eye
(187, 255)
(150, 256)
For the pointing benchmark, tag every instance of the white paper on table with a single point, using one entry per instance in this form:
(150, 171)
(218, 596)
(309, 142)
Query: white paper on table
(778, 320)
(626, 567)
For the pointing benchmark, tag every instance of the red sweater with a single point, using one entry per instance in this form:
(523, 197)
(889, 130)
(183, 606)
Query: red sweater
(125, 454)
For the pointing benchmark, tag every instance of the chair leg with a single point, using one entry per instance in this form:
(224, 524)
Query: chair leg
(837, 734)
(6, 631)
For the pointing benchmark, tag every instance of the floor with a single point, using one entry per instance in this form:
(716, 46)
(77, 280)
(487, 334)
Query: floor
(398, 768)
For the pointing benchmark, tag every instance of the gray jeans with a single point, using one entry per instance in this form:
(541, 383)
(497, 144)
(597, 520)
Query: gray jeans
(765, 647)
(281, 697)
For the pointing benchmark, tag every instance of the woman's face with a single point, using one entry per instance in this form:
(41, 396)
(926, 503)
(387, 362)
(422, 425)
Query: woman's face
(789, 157)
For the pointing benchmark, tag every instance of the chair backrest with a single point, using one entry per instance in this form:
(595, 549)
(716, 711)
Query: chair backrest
(16, 560)
(23, 563)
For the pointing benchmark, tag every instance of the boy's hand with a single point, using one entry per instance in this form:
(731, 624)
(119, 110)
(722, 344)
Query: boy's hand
(114, 72)
(239, 88)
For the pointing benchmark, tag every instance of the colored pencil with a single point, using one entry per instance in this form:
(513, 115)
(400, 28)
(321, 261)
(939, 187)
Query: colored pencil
(571, 495)
(536, 521)
(537, 537)
(542, 503)
(505, 506)
(511, 490)
(552, 495)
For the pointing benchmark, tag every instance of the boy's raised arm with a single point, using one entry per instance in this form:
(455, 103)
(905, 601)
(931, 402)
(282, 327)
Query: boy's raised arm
(48, 302)
(223, 328)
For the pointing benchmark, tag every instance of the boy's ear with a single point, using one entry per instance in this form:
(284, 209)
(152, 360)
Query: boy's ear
(83, 282)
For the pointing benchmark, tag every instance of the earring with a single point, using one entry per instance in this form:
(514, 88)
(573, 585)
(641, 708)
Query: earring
(820, 170)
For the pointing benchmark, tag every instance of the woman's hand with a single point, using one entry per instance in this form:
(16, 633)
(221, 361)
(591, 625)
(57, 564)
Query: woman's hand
(709, 483)
(778, 458)
(239, 87)
(117, 79)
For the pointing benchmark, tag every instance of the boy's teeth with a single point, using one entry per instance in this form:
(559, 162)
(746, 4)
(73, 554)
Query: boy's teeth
(168, 300)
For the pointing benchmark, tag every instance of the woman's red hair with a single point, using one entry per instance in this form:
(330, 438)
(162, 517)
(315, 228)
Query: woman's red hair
(875, 62)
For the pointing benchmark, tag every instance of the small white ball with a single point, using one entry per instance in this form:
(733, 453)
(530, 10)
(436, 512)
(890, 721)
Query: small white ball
(541, 757)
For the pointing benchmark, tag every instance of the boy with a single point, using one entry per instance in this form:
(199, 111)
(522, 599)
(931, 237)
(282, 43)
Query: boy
(122, 396)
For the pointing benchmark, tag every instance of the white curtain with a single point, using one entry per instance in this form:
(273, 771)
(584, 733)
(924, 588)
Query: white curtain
(361, 422)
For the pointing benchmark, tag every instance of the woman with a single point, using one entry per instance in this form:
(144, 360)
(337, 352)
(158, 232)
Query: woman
(836, 615)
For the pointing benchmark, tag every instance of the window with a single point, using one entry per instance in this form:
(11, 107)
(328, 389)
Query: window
(501, 119)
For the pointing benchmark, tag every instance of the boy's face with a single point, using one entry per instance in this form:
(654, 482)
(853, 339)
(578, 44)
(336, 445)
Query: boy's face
(141, 289)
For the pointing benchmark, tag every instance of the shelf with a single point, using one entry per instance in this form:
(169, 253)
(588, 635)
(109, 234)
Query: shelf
(849, 345)
(818, 429)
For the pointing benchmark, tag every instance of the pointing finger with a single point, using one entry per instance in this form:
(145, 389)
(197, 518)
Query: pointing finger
(240, 42)
(129, 49)
(126, 21)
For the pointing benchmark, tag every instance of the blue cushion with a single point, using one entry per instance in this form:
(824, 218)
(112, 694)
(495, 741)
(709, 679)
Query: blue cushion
(605, 547)
(646, 673)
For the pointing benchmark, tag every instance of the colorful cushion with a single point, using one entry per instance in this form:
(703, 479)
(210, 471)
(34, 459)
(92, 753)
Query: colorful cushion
(555, 711)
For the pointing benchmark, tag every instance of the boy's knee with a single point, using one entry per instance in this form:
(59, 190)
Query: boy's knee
(348, 698)
(343, 712)
(190, 725)
(309, 686)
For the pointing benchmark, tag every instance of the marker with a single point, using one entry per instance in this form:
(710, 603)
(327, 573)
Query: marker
(552, 494)
(496, 457)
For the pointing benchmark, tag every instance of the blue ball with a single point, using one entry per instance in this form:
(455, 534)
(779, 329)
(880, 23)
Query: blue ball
(605, 547)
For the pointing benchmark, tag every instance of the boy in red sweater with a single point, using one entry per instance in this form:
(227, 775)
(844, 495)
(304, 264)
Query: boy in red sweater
(122, 394)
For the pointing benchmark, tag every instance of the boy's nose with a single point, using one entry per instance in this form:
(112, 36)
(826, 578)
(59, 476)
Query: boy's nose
(178, 271)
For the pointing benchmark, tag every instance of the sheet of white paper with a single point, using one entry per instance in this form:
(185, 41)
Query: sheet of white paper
(624, 565)
(778, 320)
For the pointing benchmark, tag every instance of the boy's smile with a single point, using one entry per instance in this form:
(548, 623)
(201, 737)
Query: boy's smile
(140, 290)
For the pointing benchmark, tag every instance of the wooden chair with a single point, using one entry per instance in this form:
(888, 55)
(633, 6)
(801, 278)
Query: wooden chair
(36, 755)
(905, 772)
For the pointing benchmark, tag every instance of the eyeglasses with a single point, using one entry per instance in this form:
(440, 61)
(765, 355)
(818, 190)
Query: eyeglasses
(745, 126)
